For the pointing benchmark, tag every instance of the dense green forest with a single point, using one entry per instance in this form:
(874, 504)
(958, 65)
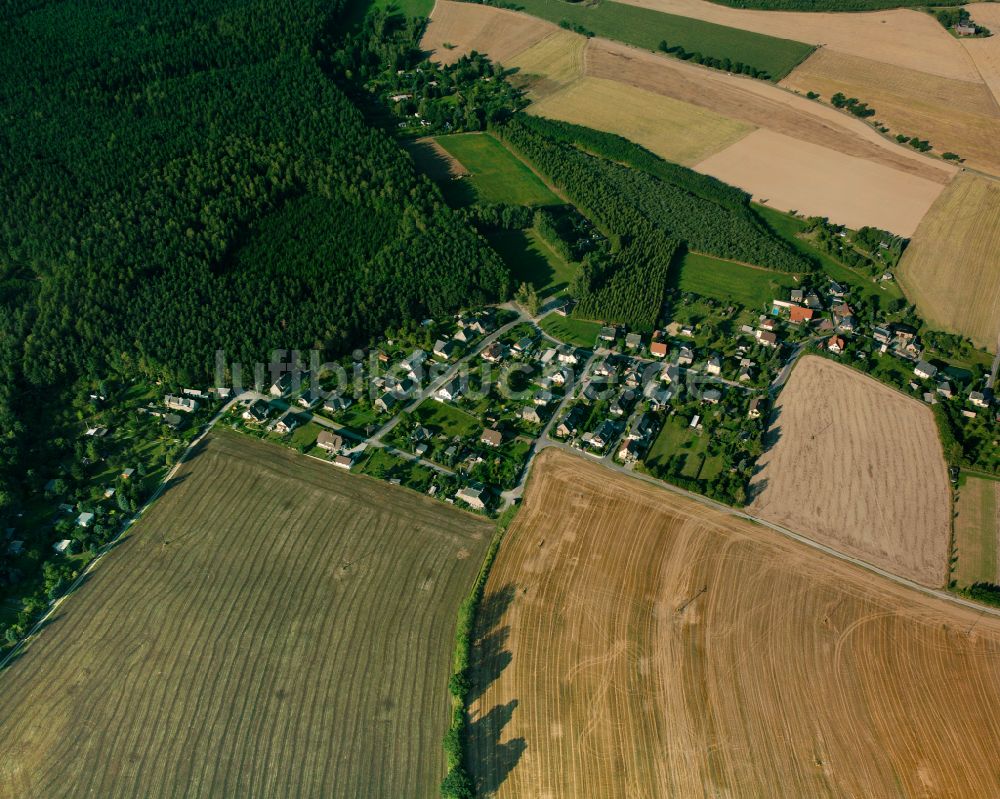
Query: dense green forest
(183, 177)
(648, 207)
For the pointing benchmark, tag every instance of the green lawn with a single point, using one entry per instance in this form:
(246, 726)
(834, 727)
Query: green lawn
(647, 28)
(531, 260)
(730, 282)
(497, 175)
(789, 228)
(385, 466)
(578, 332)
(451, 420)
(677, 438)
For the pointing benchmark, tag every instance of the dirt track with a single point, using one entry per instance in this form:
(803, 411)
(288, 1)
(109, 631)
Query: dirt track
(638, 644)
(859, 467)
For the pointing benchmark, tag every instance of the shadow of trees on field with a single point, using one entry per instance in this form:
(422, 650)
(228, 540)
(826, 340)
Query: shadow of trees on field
(490, 761)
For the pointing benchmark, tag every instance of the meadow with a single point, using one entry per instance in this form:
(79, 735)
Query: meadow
(578, 332)
(531, 260)
(977, 532)
(272, 627)
(727, 281)
(495, 173)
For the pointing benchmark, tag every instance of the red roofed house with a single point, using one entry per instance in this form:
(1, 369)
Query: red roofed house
(836, 344)
(658, 348)
(798, 313)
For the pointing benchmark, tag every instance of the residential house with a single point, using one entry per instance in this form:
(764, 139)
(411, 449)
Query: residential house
(449, 391)
(798, 314)
(175, 403)
(473, 496)
(714, 366)
(757, 407)
(685, 357)
(605, 368)
(608, 335)
(687, 331)
(286, 423)
(414, 365)
(642, 427)
(548, 356)
(980, 399)
(767, 338)
(632, 377)
(257, 412)
(713, 396)
(746, 374)
(604, 435)
(882, 335)
(309, 399)
(658, 349)
(628, 452)
(633, 341)
(568, 356)
(543, 398)
(623, 403)
(127, 473)
(672, 374)
(492, 437)
(529, 413)
(813, 301)
(768, 324)
(925, 370)
(330, 441)
(843, 317)
(797, 296)
(421, 433)
(658, 396)
(337, 404)
(493, 353)
(62, 546)
(836, 344)
(835, 290)
(444, 348)
(523, 345)
(281, 386)
(385, 402)
(965, 28)
(462, 336)
(570, 423)
(944, 389)
(85, 519)
(344, 462)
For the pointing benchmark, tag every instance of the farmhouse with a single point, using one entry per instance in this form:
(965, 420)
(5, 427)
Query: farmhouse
(492, 437)
(257, 412)
(925, 370)
(185, 404)
(965, 28)
(331, 442)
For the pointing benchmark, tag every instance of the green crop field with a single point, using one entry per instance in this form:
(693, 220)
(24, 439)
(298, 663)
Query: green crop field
(531, 260)
(497, 175)
(273, 627)
(578, 332)
(730, 282)
(646, 28)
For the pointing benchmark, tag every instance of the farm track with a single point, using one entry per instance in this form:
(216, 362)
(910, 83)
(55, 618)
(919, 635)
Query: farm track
(270, 628)
(640, 644)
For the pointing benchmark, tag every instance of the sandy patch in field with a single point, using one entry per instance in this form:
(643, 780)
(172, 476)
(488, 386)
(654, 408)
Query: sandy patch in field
(857, 466)
(985, 53)
(550, 65)
(673, 129)
(634, 643)
(951, 270)
(758, 103)
(497, 32)
(790, 174)
(903, 37)
(954, 115)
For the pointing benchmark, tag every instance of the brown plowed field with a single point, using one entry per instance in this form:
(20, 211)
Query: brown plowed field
(499, 33)
(859, 467)
(637, 644)
(951, 270)
(271, 628)
(954, 115)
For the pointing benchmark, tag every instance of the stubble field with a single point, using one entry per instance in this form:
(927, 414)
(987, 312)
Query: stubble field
(271, 628)
(636, 643)
(951, 270)
(857, 466)
(977, 532)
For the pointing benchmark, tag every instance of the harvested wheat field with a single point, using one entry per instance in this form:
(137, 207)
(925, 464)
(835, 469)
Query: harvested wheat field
(675, 130)
(857, 466)
(954, 115)
(497, 32)
(550, 65)
(985, 53)
(791, 174)
(951, 270)
(271, 628)
(977, 532)
(635, 643)
(904, 37)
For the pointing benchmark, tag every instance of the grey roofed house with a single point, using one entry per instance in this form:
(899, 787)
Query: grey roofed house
(85, 519)
(813, 301)
(450, 391)
(757, 405)
(443, 348)
(472, 495)
(282, 385)
(641, 427)
(543, 397)
(712, 396)
(462, 336)
(421, 433)
(882, 335)
(633, 341)
(329, 441)
(257, 411)
(798, 296)
(980, 399)
(714, 365)
(524, 344)
(309, 399)
(530, 414)
(185, 404)
(608, 334)
(685, 357)
(287, 422)
(924, 370)
(338, 403)
(944, 389)
(604, 434)
(386, 402)
(628, 451)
